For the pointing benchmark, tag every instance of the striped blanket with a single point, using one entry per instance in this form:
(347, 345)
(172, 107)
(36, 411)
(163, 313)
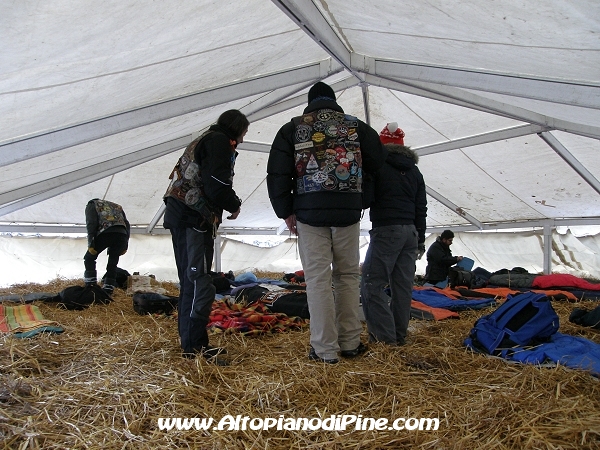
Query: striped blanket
(25, 321)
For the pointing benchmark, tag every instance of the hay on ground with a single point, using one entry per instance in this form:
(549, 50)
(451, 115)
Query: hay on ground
(106, 380)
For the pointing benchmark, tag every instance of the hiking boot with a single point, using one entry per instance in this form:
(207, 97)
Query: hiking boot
(211, 354)
(89, 278)
(312, 355)
(109, 289)
(362, 348)
(216, 360)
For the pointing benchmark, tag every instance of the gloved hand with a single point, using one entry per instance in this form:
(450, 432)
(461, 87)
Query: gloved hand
(92, 251)
(421, 251)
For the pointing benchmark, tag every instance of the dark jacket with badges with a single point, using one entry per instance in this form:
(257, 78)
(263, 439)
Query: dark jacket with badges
(439, 260)
(316, 166)
(102, 216)
(399, 192)
(214, 156)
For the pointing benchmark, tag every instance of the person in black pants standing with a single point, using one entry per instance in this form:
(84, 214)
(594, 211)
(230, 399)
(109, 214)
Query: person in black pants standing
(201, 189)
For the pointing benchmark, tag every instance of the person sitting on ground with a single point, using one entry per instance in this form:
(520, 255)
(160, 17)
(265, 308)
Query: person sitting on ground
(440, 259)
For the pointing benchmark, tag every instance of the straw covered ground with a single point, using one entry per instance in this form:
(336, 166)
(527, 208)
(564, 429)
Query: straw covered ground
(106, 381)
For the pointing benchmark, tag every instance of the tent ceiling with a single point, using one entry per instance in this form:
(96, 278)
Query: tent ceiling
(501, 100)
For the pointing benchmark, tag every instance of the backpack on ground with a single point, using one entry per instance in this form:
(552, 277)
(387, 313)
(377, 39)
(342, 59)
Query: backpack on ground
(153, 303)
(78, 298)
(522, 320)
(121, 278)
(459, 277)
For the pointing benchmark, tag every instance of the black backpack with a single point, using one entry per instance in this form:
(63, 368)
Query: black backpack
(121, 278)
(153, 303)
(459, 277)
(81, 297)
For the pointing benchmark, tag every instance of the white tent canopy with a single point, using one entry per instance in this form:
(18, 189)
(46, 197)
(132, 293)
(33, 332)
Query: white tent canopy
(500, 99)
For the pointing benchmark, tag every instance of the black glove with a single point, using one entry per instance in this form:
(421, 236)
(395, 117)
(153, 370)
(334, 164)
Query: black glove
(421, 251)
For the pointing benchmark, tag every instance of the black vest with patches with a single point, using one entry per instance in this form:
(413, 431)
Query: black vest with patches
(109, 215)
(186, 183)
(327, 153)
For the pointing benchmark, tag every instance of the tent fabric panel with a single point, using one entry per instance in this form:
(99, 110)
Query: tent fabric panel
(472, 34)
(77, 57)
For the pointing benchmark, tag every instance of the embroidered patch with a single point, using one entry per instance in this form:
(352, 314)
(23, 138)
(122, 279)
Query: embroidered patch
(342, 172)
(318, 137)
(319, 177)
(304, 145)
(303, 133)
(324, 115)
(312, 165)
(192, 196)
(331, 130)
(319, 126)
(330, 183)
(191, 171)
(310, 185)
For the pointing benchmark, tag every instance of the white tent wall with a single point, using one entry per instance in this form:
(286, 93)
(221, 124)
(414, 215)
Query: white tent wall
(41, 259)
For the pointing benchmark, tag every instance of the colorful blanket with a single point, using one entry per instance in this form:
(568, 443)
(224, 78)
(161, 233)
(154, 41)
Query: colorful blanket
(250, 320)
(25, 321)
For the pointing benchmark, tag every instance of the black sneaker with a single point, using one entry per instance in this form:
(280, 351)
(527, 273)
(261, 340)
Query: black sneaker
(312, 355)
(362, 348)
(213, 355)
(216, 360)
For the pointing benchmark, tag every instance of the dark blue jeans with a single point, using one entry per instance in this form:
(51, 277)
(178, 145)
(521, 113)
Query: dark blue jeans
(390, 260)
(194, 251)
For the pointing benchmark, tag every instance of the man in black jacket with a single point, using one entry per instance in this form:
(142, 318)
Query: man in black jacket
(315, 173)
(440, 259)
(398, 215)
(201, 188)
(107, 229)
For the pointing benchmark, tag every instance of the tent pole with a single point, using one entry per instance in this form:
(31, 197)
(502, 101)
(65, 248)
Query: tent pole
(217, 255)
(547, 249)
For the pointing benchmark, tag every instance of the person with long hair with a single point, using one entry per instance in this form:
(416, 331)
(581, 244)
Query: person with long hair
(201, 189)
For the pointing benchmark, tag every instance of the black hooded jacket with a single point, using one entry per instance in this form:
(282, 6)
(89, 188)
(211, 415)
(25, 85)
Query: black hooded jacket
(322, 209)
(399, 192)
(439, 260)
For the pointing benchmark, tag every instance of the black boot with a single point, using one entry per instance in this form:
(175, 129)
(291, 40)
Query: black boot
(109, 286)
(89, 277)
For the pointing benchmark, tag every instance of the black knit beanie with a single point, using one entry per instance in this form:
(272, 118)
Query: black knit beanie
(320, 89)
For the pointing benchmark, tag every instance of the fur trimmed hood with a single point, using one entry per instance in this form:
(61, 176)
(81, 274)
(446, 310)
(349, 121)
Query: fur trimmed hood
(402, 150)
(401, 157)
